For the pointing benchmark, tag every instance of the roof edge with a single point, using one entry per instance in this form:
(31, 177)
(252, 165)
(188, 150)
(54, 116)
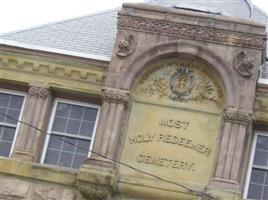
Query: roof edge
(54, 50)
(58, 21)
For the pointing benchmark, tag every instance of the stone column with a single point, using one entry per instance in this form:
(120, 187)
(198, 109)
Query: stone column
(107, 139)
(232, 146)
(35, 112)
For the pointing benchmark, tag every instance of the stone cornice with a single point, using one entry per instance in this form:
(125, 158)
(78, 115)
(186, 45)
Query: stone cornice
(115, 96)
(238, 117)
(80, 77)
(192, 32)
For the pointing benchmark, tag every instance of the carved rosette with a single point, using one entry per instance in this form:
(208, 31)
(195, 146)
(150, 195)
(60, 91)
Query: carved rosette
(243, 64)
(115, 96)
(191, 31)
(126, 46)
(237, 117)
(38, 92)
(92, 191)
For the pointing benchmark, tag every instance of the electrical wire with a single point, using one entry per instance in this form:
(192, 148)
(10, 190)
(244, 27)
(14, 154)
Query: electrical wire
(191, 191)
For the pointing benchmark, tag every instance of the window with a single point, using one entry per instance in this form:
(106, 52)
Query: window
(257, 184)
(72, 126)
(11, 105)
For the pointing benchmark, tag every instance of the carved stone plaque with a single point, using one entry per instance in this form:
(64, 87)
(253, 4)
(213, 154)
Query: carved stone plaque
(174, 123)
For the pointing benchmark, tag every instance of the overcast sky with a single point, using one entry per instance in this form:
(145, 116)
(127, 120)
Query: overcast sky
(19, 14)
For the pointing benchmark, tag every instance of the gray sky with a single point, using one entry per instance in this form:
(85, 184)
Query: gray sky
(19, 14)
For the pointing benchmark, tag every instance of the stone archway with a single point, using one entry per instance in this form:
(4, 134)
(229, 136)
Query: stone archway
(120, 81)
(142, 61)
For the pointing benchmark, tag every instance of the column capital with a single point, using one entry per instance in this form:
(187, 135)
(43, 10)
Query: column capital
(38, 92)
(237, 116)
(117, 96)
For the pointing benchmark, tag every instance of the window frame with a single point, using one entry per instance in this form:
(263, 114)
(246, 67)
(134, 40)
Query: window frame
(51, 121)
(250, 164)
(17, 93)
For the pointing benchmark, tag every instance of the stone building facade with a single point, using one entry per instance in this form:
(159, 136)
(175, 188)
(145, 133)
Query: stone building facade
(168, 103)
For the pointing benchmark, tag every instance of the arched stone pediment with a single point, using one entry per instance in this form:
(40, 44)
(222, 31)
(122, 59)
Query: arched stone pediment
(180, 80)
(143, 61)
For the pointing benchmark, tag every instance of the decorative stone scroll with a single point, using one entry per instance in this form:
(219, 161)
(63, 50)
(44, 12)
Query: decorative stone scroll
(191, 31)
(126, 46)
(243, 64)
(237, 117)
(38, 92)
(115, 96)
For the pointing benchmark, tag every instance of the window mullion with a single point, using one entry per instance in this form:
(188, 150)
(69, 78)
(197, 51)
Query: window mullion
(71, 135)
(8, 125)
(260, 167)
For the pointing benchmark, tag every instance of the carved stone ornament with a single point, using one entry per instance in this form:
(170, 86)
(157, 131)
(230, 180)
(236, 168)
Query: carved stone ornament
(191, 31)
(38, 92)
(115, 96)
(237, 117)
(179, 81)
(126, 46)
(94, 192)
(182, 83)
(243, 64)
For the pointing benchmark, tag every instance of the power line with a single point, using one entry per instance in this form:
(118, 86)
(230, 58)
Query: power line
(191, 191)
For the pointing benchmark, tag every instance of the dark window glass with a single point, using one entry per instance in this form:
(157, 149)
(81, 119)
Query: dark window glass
(258, 184)
(10, 108)
(72, 129)
(59, 124)
(66, 151)
(255, 192)
(76, 112)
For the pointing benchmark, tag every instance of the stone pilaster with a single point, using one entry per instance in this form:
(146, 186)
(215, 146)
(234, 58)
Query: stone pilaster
(228, 168)
(35, 111)
(108, 132)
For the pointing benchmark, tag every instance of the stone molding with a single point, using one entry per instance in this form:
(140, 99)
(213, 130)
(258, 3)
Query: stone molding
(81, 72)
(115, 96)
(38, 92)
(238, 117)
(191, 32)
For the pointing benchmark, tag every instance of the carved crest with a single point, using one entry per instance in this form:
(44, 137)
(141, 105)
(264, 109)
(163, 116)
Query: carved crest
(243, 64)
(180, 82)
(126, 46)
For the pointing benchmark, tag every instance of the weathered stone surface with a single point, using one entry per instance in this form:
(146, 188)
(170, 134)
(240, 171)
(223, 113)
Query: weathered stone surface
(71, 195)
(14, 189)
(42, 192)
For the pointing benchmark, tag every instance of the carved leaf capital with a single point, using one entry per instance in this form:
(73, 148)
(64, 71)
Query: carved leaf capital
(115, 96)
(237, 116)
(38, 92)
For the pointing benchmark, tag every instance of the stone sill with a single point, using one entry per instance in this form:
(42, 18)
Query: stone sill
(38, 172)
